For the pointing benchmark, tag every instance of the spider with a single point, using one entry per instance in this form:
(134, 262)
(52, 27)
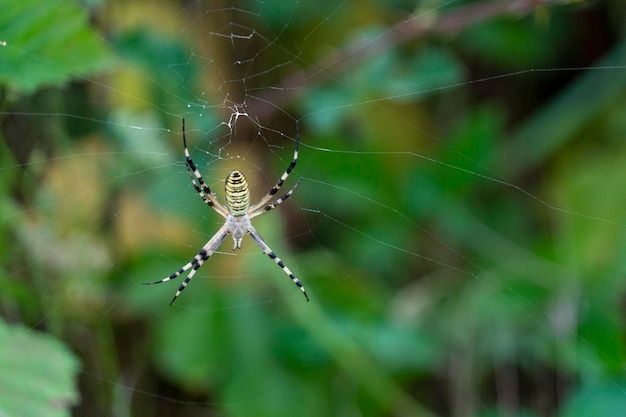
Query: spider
(238, 212)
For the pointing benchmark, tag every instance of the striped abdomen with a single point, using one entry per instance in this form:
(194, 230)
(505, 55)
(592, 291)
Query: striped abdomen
(237, 194)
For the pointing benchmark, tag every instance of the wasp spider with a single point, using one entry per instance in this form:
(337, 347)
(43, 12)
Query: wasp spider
(238, 212)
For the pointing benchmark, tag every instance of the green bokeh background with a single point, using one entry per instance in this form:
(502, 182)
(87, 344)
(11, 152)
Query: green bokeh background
(460, 226)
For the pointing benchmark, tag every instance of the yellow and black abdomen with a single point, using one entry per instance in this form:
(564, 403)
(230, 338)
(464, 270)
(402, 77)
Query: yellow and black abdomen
(237, 194)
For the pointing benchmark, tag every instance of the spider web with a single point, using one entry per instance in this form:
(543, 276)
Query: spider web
(390, 231)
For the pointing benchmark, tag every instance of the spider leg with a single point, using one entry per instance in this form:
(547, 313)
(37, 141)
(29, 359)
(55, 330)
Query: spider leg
(201, 187)
(273, 205)
(207, 250)
(269, 252)
(282, 178)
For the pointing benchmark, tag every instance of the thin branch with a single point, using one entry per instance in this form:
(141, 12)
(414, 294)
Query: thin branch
(408, 29)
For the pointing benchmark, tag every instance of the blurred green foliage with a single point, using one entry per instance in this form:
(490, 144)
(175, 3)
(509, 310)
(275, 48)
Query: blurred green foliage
(460, 226)
(37, 376)
(47, 44)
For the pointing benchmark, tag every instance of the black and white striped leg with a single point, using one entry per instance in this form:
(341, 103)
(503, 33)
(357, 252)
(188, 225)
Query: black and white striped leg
(269, 252)
(282, 178)
(197, 261)
(273, 205)
(199, 190)
(201, 187)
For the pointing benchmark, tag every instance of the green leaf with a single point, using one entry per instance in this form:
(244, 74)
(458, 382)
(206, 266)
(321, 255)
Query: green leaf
(47, 43)
(38, 374)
